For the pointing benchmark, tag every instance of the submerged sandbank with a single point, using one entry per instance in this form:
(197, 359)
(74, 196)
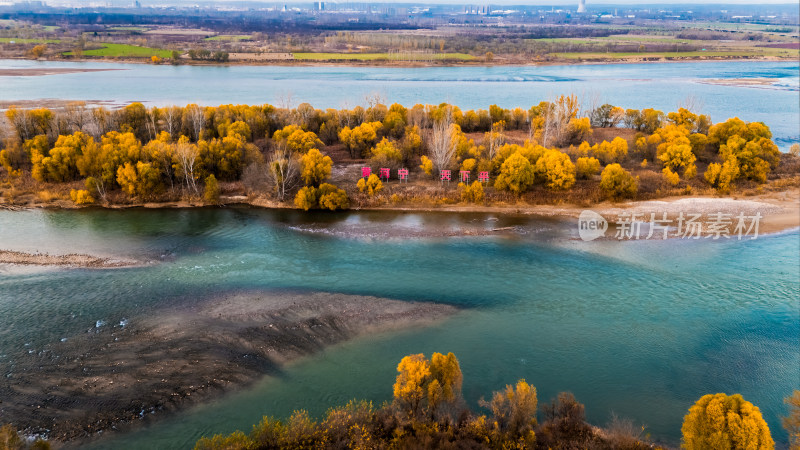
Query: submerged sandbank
(114, 377)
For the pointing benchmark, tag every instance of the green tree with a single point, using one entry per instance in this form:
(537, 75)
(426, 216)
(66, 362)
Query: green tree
(719, 421)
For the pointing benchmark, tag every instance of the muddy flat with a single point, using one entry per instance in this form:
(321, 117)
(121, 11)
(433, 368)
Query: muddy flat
(118, 376)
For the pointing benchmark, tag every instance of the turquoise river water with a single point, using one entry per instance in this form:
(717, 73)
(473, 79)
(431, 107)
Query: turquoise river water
(641, 329)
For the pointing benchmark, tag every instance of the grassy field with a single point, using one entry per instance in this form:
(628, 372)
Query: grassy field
(140, 29)
(751, 52)
(30, 41)
(229, 37)
(126, 51)
(382, 56)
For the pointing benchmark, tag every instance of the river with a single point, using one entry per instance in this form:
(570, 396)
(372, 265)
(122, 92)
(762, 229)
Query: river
(663, 86)
(641, 329)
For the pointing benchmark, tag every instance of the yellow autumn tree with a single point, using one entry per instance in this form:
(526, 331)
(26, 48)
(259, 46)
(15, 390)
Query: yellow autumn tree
(296, 139)
(427, 165)
(386, 154)
(721, 176)
(514, 410)
(556, 170)
(792, 422)
(332, 198)
(358, 139)
(211, 190)
(410, 386)
(139, 179)
(609, 152)
(472, 193)
(61, 162)
(424, 384)
(719, 422)
(617, 182)
(516, 174)
(316, 167)
(586, 167)
(371, 185)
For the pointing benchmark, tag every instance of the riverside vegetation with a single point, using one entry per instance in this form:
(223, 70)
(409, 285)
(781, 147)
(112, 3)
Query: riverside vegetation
(428, 411)
(554, 152)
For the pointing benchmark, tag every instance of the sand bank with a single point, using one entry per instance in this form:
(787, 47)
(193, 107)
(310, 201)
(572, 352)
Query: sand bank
(115, 377)
(70, 260)
(37, 72)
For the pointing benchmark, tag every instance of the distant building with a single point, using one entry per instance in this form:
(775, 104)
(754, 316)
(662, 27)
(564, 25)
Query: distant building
(582, 6)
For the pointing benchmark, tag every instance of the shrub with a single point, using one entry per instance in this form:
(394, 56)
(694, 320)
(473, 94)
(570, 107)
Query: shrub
(617, 182)
(722, 421)
(516, 174)
(306, 198)
(472, 193)
(386, 154)
(296, 139)
(81, 197)
(139, 180)
(608, 152)
(332, 198)
(427, 165)
(211, 191)
(358, 139)
(722, 176)
(586, 167)
(371, 185)
(514, 409)
(671, 177)
(556, 170)
(469, 164)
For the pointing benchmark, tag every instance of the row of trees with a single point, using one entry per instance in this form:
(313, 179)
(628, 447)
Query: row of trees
(429, 411)
(237, 142)
(554, 122)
